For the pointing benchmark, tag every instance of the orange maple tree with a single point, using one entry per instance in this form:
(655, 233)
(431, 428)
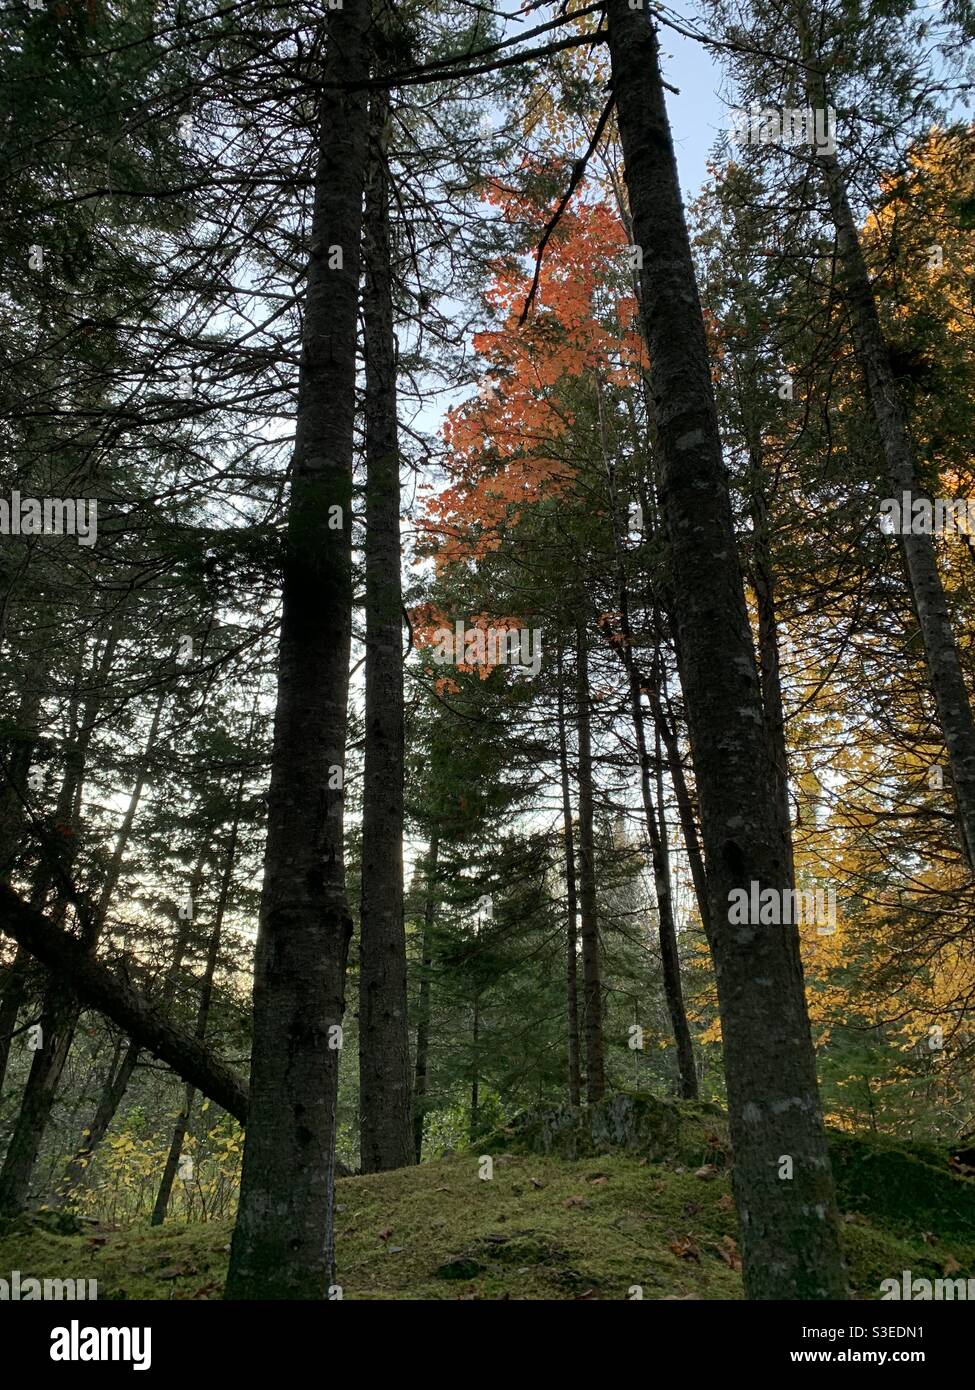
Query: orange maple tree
(502, 444)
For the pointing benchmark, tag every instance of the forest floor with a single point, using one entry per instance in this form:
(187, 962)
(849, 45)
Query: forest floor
(540, 1228)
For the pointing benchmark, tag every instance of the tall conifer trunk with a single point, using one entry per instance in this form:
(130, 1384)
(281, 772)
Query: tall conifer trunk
(782, 1179)
(282, 1245)
(386, 1131)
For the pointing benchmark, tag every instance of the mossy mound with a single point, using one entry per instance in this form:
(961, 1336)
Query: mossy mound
(909, 1188)
(541, 1227)
(902, 1187)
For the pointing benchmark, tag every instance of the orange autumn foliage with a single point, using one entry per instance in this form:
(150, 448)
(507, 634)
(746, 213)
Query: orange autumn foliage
(503, 445)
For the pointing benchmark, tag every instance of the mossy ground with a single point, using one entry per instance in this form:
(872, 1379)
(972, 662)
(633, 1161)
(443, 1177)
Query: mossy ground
(540, 1228)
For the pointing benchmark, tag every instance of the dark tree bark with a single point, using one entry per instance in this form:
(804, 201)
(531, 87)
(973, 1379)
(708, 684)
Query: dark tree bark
(18, 752)
(588, 911)
(423, 1005)
(282, 1245)
(571, 905)
(14, 993)
(47, 1065)
(171, 1166)
(790, 1229)
(386, 1130)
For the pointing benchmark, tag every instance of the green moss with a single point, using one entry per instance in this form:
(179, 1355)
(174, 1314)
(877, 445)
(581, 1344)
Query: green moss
(543, 1227)
(900, 1187)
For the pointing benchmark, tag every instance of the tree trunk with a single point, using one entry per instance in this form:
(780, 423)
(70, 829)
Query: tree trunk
(203, 1010)
(14, 790)
(386, 1131)
(588, 914)
(423, 1007)
(656, 829)
(57, 1035)
(282, 1246)
(790, 1229)
(475, 1072)
(572, 904)
(116, 1083)
(171, 1167)
(97, 987)
(665, 728)
(14, 992)
(927, 592)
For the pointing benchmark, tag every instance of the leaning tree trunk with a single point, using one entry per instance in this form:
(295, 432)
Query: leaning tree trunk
(782, 1178)
(386, 1132)
(588, 913)
(282, 1246)
(98, 987)
(920, 562)
(62, 1009)
(571, 904)
(116, 1082)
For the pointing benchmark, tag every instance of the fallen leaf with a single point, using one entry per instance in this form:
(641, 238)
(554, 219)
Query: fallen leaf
(727, 1248)
(685, 1248)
